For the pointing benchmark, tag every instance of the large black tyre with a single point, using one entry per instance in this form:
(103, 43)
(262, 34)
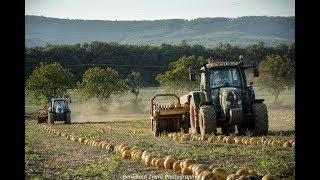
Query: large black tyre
(261, 123)
(68, 118)
(194, 122)
(207, 120)
(50, 118)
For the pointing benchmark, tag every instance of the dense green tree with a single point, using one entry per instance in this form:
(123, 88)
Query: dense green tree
(277, 75)
(176, 79)
(134, 83)
(148, 60)
(47, 81)
(101, 83)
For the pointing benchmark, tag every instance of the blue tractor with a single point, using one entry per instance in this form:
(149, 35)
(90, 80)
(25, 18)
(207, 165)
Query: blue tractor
(59, 111)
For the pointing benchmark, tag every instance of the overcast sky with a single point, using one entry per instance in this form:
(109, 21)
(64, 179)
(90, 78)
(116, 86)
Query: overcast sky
(157, 9)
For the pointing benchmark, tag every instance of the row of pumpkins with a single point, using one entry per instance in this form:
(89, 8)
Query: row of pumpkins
(286, 144)
(109, 129)
(184, 166)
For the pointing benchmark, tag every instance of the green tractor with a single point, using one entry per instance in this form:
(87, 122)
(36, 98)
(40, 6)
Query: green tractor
(59, 111)
(226, 101)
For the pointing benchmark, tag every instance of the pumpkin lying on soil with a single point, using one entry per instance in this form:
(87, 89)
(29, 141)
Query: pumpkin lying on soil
(206, 175)
(187, 163)
(238, 141)
(145, 152)
(232, 177)
(270, 177)
(243, 177)
(254, 141)
(220, 138)
(241, 172)
(229, 140)
(220, 173)
(159, 163)
(253, 173)
(153, 161)
(168, 163)
(176, 166)
(186, 171)
(287, 145)
(148, 158)
(126, 154)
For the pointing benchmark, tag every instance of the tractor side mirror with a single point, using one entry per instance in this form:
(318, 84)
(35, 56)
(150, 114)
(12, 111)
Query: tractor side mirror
(192, 74)
(256, 72)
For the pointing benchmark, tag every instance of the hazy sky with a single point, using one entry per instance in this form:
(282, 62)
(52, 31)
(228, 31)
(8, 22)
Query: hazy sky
(157, 9)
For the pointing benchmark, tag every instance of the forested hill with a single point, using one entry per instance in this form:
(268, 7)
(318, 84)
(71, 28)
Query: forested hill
(209, 32)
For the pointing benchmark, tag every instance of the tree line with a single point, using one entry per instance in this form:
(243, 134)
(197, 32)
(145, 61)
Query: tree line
(148, 60)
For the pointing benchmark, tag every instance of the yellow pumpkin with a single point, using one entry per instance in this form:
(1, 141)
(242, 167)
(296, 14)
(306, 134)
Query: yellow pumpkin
(134, 148)
(232, 177)
(168, 163)
(229, 140)
(206, 175)
(159, 163)
(287, 145)
(186, 171)
(204, 138)
(144, 154)
(238, 141)
(254, 141)
(241, 172)
(138, 155)
(153, 161)
(253, 173)
(220, 173)
(220, 138)
(124, 148)
(270, 177)
(176, 166)
(243, 178)
(184, 137)
(148, 158)
(126, 154)
(188, 162)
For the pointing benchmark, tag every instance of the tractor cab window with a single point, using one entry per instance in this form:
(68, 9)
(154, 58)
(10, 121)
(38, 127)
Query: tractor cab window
(60, 103)
(225, 78)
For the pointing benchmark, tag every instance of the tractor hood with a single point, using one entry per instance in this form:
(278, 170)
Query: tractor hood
(229, 98)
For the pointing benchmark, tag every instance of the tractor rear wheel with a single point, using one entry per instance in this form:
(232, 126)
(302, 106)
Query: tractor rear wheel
(68, 118)
(207, 120)
(194, 122)
(50, 118)
(261, 123)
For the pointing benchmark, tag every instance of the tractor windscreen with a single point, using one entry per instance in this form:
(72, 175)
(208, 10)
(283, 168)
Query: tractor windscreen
(225, 78)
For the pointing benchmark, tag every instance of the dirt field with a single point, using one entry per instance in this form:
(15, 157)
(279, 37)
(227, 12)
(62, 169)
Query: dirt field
(54, 157)
(50, 156)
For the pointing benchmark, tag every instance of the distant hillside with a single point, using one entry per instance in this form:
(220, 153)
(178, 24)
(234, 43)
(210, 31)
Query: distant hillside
(209, 32)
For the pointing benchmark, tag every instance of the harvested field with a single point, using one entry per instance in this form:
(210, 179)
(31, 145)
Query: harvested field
(50, 156)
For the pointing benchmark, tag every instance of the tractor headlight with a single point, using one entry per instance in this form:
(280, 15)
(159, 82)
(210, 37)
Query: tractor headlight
(228, 103)
(239, 102)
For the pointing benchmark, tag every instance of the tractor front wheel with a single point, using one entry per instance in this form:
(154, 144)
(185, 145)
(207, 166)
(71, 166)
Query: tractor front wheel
(68, 118)
(207, 120)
